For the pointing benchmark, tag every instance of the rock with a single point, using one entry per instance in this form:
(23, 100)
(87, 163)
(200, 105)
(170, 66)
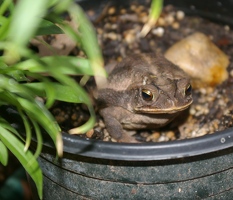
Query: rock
(201, 59)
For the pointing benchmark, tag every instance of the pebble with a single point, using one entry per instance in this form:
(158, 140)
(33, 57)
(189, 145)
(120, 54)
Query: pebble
(111, 10)
(90, 133)
(114, 26)
(163, 138)
(227, 28)
(107, 26)
(215, 123)
(101, 124)
(231, 73)
(161, 21)
(128, 17)
(200, 132)
(201, 59)
(90, 13)
(74, 116)
(140, 8)
(170, 135)
(133, 7)
(203, 90)
(159, 31)
(112, 36)
(169, 19)
(123, 11)
(144, 19)
(153, 137)
(175, 25)
(113, 19)
(143, 14)
(129, 36)
(180, 15)
(113, 140)
(192, 111)
(106, 135)
(100, 31)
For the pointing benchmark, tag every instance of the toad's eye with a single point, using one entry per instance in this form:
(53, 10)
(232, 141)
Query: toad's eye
(147, 95)
(188, 90)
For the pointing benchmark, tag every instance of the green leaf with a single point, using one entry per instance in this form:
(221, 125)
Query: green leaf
(69, 65)
(6, 125)
(27, 159)
(62, 92)
(4, 5)
(18, 75)
(37, 112)
(9, 84)
(62, 64)
(18, 95)
(3, 20)
(50, 93)
(46, 27)
(4, 27)
(67, 94)
(86, 34)
(38, 138)
(62, 6)
(87, 37)
(156, 8)
(26, 19)
(85, 127)
(27, 130)
(3, 154)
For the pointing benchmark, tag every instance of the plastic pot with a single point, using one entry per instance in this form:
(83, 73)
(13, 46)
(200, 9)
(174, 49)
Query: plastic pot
(199, 168)
(141, 171)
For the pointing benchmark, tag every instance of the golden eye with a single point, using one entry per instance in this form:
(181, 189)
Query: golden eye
(147, 95)
(188, 90)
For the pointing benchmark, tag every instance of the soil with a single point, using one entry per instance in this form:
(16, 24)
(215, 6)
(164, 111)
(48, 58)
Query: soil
(118, 30)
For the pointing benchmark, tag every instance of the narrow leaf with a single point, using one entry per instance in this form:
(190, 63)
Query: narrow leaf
(63, 64)
(46, 28)
(85, 127)
(27, 159)
(156, 8)
(38, 112)
(4, 6)
(62, 92)
(27, 130)
(87, 37)
(3, 154)
(38, 138)
(26, 19)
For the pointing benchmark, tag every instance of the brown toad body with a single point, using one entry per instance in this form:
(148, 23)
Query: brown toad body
(143, 91)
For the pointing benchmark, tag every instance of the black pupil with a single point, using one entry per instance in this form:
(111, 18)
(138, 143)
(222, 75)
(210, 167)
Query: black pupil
(188, 90)
(147, 96)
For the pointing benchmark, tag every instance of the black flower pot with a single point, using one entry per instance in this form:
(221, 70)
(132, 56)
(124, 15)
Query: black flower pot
(199, 168)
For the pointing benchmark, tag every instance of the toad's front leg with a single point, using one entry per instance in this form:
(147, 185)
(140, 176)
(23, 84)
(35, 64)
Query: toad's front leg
(114, 127)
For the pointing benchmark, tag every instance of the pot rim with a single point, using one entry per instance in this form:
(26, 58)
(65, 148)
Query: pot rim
(147, 151)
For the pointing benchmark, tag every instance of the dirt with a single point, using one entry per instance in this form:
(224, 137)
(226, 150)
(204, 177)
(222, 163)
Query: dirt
(118, 30)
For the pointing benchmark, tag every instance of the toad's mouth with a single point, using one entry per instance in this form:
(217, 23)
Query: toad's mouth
(154, 110)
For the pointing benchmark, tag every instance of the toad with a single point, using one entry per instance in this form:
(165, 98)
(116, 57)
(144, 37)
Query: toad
(143, 91)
